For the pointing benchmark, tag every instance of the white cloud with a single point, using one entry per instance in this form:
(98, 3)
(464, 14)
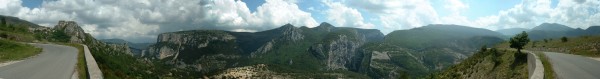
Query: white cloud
(398, 14)
(141, 20)
(277, 12)
(455, 6)
(530, 13)
(581, 14)
(343, 16)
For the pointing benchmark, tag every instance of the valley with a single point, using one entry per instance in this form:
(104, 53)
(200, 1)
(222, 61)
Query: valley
(299, 39)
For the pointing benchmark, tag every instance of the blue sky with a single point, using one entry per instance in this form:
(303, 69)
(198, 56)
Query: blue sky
(32, 3)
(142, 20)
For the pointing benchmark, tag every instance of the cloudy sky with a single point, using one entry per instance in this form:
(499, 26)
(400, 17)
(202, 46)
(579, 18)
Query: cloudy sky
(142, 20)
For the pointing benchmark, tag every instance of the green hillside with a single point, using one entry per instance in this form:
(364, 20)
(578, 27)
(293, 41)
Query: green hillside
(12, 33)
(490, 63)
(433, 35)
(420, 51)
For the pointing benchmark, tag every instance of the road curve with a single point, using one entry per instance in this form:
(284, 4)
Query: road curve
(55, 62)
(567, 66)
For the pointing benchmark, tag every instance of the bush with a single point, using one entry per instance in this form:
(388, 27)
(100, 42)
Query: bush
(60, 36)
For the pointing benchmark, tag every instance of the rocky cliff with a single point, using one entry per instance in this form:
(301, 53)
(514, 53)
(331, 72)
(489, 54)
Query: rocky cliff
(77, 35)
(214, 50)
(72, 29)
(201, 50)
(340, 49)
(322, 49)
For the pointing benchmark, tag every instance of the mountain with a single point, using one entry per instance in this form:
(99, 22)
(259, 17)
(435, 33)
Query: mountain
(136, 48)
(300, 51)
(552, 27)
(511, 31)
(552, 30)
(430, 35)
(19, 22)
(420, 51)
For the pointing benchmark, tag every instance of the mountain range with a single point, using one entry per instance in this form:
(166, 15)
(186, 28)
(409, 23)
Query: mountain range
(302, 51)
(319, 52)
(552, 30)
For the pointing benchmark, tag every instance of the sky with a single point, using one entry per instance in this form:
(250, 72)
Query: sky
(142, 20)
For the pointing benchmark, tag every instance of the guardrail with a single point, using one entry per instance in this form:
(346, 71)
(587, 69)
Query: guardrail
(92, 67)
(536, 69)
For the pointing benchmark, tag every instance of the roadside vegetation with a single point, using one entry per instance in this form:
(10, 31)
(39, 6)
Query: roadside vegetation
(81, 64)
(582, 45)
(498, 62)
(548, 71)
(16, 51)
(488, 64)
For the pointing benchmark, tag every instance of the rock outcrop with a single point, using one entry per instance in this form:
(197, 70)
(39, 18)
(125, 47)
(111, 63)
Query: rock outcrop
(72, 29)
(78, 35)
(291, 33)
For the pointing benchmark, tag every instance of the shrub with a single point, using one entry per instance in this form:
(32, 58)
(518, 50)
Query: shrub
(564, 39)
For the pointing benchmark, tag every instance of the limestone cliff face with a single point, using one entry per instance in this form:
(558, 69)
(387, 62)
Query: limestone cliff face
(72, 29)
(214, 50)
(341, 52)
(201, 50)
(174, 43)
(341, 48)
(289, 33)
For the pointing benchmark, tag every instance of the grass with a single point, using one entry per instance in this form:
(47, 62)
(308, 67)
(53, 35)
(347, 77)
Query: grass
(81, 64)
(548, 71)
(16, 51)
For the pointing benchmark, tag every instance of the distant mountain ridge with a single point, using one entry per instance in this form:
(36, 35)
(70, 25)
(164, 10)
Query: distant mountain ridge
(289, 49)
(552, 27)
(136, 48)
(511, 31)
(553, 30)
(17, 21)
(278, 48)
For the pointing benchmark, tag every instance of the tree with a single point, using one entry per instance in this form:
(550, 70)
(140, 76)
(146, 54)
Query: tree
(564, 39)
(519, 41)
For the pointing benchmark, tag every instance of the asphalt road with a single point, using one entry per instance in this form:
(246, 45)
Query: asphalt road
(567, 66)
(55, 62)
